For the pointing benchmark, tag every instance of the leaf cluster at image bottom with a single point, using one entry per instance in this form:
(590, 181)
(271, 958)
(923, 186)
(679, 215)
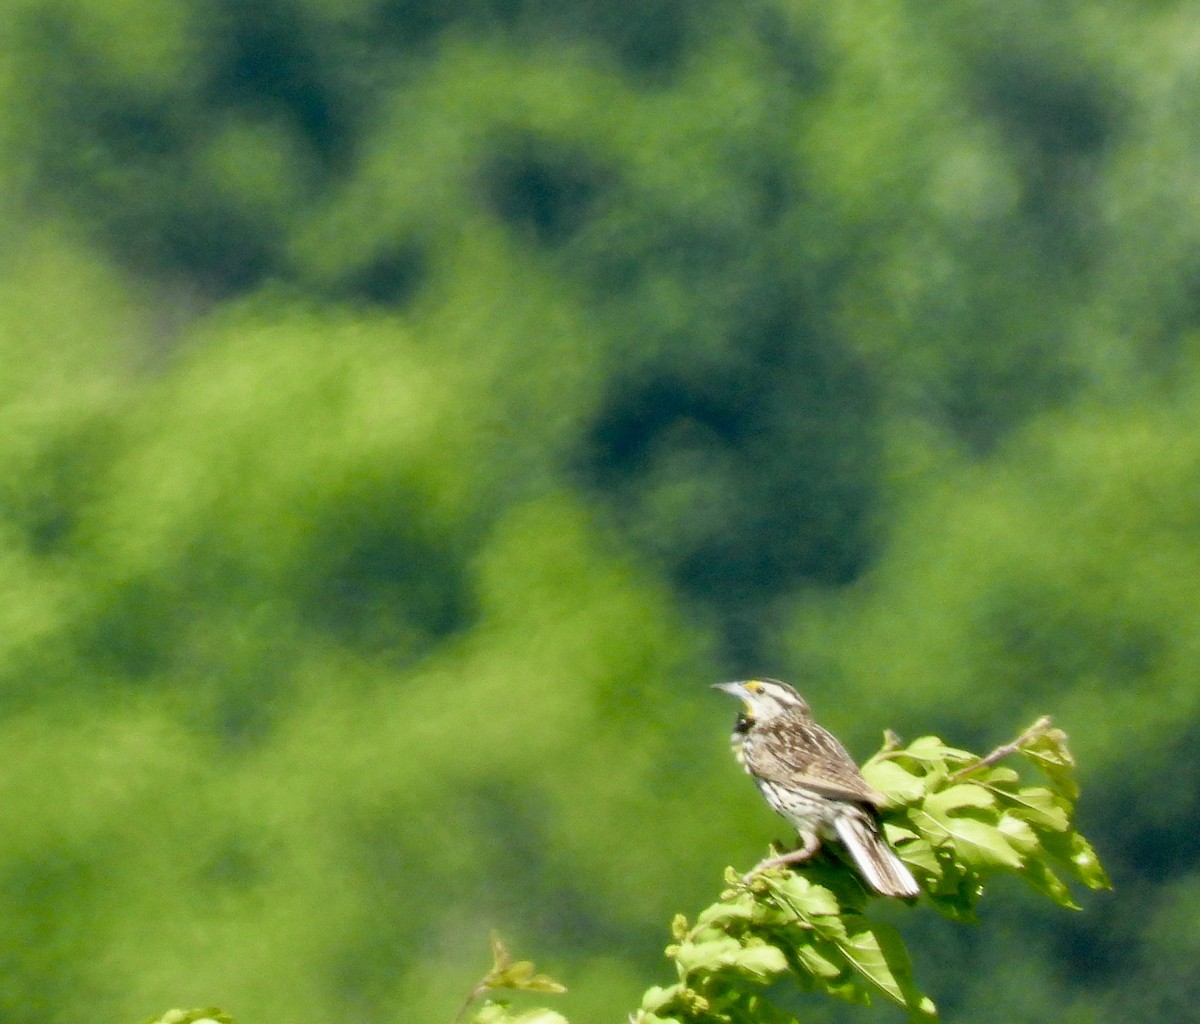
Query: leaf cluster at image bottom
(956, 819)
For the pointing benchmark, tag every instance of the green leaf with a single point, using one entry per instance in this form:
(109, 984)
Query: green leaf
(815, 956)
(893, 780)
(931, 750)
(762, 962)
(997, 775)
(958, 797)
(1091, 871)
(877, 953)
(1041, 876)
(739, 909)
(1019, 834)
(658, 996)
(917, 852)
(521, 976)
(805, 898)
(975, 842)
(1076, 855)
(501, 957)
(710, 955)
(756, 959)
(1039, 806)
(1048, 750)
(982, 843)
(897, 832)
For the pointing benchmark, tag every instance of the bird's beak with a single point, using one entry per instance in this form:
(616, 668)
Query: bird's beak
(733, 689)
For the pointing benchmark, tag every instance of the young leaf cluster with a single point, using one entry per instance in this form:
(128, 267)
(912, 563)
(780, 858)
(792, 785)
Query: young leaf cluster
(513, 976)
(782, 923)
(956, 819)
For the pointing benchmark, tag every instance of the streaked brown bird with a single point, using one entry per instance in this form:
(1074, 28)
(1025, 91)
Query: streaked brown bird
(808, 777)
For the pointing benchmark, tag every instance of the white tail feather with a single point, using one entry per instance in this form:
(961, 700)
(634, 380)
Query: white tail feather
(885, 872)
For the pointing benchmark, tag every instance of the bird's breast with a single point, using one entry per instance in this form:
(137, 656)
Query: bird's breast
(737, 743)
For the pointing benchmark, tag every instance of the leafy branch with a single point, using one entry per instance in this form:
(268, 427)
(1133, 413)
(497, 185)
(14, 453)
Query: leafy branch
(956, 819)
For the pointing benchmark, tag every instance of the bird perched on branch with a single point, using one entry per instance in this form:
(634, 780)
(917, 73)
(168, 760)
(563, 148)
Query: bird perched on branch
(808, 777)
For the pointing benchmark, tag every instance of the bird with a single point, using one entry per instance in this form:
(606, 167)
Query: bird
(807, 776)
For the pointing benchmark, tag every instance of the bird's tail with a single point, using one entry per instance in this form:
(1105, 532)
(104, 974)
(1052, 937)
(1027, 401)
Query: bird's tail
(884, 871)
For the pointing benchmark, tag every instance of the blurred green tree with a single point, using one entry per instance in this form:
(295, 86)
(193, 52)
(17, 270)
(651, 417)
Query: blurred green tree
(405, 407)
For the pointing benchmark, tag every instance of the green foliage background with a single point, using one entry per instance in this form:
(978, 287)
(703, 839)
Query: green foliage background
(406, 407)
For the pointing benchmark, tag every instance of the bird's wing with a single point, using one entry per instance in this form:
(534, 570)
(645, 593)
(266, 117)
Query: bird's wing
(799, 753)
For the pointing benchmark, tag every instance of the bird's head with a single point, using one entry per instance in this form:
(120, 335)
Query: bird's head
(764, 699)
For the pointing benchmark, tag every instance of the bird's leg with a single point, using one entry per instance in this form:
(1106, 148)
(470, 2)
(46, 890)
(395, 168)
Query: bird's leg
(808, 846)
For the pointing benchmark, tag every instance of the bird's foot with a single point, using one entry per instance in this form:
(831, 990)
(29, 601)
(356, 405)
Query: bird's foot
(797, 856)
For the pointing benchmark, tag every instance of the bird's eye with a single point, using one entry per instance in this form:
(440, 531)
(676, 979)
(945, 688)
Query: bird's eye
(754, 686)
